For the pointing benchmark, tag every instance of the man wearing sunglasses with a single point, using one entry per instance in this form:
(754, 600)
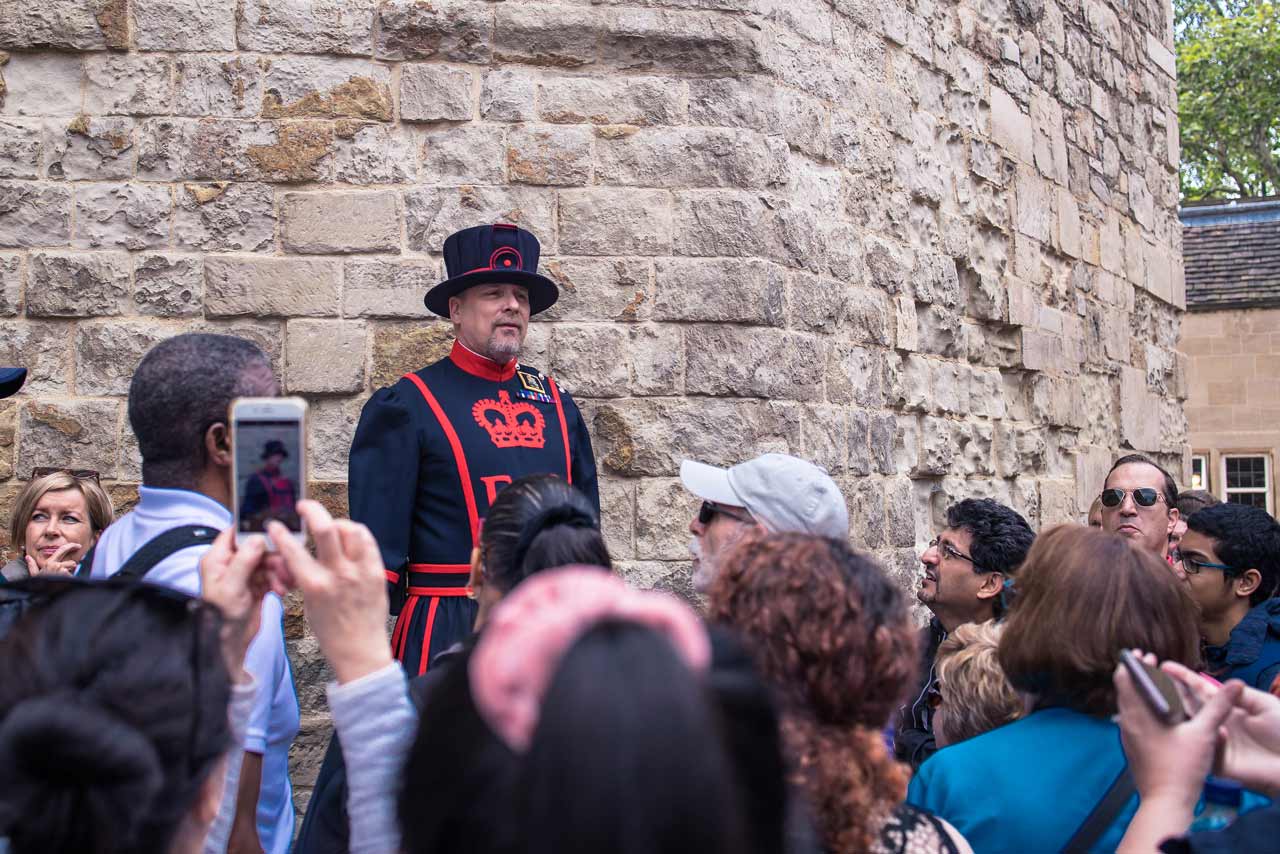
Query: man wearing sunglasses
(1231, 557)
(966, 570)
(1140, 503)
(773, 493)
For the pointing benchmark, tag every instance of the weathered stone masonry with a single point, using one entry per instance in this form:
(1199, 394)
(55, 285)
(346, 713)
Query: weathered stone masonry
(931, 245)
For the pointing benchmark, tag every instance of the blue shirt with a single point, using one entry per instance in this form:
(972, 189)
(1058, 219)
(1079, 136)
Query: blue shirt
(275, 720)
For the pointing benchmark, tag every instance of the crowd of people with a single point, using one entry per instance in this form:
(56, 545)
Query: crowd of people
(531, 701)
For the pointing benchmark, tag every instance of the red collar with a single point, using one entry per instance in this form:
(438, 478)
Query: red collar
(479, 366)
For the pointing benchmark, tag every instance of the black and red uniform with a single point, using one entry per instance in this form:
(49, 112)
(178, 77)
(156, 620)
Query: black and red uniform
(430, 454)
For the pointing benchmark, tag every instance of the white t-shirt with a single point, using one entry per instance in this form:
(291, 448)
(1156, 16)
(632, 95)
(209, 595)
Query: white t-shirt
(275, 720)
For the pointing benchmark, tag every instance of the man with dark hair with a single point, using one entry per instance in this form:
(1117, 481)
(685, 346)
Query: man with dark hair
(1189, 503)
(1231, 557)
(178, 402)
(967, 569)
(1140, 503)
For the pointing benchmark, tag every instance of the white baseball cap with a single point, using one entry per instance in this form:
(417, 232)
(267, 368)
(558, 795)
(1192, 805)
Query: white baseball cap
(783, 493)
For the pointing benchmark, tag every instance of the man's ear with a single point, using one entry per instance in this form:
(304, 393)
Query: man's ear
(991, 586)
(1173, 519)
(217, 445)
(455, 309)
(1247, 582)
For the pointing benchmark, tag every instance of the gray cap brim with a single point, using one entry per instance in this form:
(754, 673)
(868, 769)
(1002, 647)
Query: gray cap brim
(709, 483)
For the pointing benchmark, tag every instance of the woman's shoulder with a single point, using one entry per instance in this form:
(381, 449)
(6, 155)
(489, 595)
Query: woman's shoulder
(911, 830)
(15, 570)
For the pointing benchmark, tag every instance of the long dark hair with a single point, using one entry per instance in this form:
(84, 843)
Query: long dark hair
(539, 522)
(113, 711)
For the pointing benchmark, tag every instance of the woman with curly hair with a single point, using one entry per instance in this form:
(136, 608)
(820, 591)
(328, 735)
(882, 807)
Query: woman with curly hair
(832, 633)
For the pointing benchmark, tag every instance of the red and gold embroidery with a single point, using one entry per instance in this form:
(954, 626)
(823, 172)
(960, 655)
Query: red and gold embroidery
(510, 425)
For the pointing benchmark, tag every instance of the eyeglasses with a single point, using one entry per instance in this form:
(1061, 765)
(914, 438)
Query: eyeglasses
(948, 550)
(1143, 497)
(78, 474)
(1192, 566)
(709, 511)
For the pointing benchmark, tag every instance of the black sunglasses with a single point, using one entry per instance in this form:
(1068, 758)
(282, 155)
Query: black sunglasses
(39, 592)
(79, 474)
(709, 511)
(1143, 497)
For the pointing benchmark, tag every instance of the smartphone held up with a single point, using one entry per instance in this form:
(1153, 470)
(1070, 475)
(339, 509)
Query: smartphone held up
(1156, 688)
(269, 453)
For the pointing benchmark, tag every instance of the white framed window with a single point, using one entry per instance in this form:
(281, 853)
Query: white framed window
(1200, 472)
(1246, 479)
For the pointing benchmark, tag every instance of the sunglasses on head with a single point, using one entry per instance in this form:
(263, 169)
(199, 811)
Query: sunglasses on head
(78, 474)
(709, 511)
(1144, 497)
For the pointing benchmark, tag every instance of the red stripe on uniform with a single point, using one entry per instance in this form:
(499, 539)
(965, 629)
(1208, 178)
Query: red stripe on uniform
(437, 591)
(564, 431)
(464, 474)
(425, 661)
(402, 629)
(439, 567)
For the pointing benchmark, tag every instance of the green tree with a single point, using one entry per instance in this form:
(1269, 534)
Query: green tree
(1228, 97)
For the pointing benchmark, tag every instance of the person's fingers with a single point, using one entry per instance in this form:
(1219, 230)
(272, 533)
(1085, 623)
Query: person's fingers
(1197, 684)
(277, 575)
(64, 550)
(322, 529)
(32, 566)
(246, 559)
(1129, 704)
(1214, 713)
(1255, 702)
(304, 570)
(224, 546)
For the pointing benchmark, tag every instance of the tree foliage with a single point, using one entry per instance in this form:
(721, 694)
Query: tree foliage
(1228, 97)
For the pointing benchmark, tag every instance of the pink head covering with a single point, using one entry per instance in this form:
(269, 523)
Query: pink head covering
(530, 630)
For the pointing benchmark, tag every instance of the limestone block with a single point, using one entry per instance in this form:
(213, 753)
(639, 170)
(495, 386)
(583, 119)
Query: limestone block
(90, 148)
(402, 347)
(432, 93)
(940, 441)
(64, 25)
(11, 274)
(696, 42)
(432, 214)
(825, 436)
(42, 84)
(734, 102)
(282, 287)
(591, 358)
(321, 223)
(545, 35)
(325, 356)
(907, 379)
(184, 25)
(107, 354)
(127, 85)
(75, 434)
(691, 157)
(1161, 56)
(599, 288)
(44, 349)
(1069, 238)
(1035, 206)
(169, 285)
(388, 288)
(549, 155)
(331, 425)
(638, 437)
(741, 362)
(606, 101)
(950, 381)
(225, 217)
(77, 284)
(719, 291)
(224, 149)
(664, 509)
(816, 303)
(507, 96)
(1141, 202)
(465, 154)
(128, 216)
(307, 26)
(454, 30)
(618, 517)
(656, 352)
(375, 154)
(867, 317)
(938, 331)
(8, 434)
(218, 85)
(607, 221)
(34, 214)
(300, 86)
(853, 375)
(20, 148)
(723, 222)
(1010, 127)
(986, 161)
(906, 325)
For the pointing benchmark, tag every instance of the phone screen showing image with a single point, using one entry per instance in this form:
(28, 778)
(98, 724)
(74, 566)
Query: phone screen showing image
(268, 474)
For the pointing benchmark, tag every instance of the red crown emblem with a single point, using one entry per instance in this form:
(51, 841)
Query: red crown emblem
(510, 425)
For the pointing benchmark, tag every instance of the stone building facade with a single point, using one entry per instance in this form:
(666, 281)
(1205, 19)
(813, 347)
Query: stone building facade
(930, 244)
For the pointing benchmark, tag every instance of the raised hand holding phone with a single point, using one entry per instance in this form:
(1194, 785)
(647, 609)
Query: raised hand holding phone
(269, 473)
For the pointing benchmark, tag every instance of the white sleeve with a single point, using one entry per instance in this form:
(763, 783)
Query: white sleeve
(376, 722)
(266, 663)
(242, 696)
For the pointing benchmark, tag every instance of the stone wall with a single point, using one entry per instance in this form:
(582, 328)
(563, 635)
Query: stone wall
(930, 245)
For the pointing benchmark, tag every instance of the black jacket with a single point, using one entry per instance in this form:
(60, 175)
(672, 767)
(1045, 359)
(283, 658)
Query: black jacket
(913, 737)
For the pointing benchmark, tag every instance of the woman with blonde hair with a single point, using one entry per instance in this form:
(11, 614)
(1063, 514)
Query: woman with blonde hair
(972, 695)
(56, 518)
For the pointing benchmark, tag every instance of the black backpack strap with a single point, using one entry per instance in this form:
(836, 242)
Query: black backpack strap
(162, 545)
(1103, 815)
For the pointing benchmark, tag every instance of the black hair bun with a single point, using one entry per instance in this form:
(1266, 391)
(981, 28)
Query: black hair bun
(71, 770)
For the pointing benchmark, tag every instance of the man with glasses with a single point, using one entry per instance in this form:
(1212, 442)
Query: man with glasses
(773, 493)
(1231, 557)
(967, 569)
(1140, 503)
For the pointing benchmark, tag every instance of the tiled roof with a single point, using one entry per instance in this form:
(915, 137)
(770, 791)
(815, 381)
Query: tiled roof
(1232, 254)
